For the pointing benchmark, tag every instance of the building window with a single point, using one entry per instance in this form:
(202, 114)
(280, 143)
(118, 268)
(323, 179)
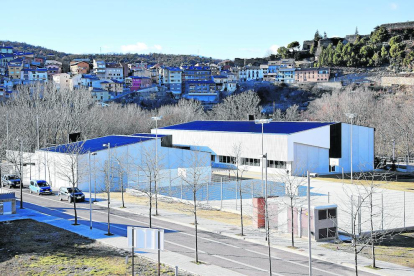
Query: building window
(323, 233)
(327, 233)
(213, 158)
(327, 214)
(251, 162)
(322, 214)
(226, 159)
(276, 164)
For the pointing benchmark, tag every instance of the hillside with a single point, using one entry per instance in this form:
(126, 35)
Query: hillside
(152, 58)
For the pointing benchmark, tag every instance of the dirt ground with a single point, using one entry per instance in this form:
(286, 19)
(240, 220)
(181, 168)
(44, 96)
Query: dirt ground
(29, 247)
(175, 206)
(398, 181)
(397, 249)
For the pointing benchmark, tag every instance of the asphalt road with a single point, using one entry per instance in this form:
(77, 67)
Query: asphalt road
(234, 254)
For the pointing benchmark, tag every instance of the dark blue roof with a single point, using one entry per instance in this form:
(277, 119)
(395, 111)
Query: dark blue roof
(96, 144)
(249, 126)
(196, 68)
(200, 82)
(219, 77)
(173, 68)
(148, 135)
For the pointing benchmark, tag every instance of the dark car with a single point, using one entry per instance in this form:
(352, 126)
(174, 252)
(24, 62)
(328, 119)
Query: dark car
(11, 180)
(67, 193)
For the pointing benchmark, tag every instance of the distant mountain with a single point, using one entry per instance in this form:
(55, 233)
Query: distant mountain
(152, 58)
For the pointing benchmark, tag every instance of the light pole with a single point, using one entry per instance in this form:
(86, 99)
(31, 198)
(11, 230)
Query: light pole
(108, 183)
(264, 159)
(90, 189)
(351, 116)
(262, 122)
(94, 175)
(393, 149)
(21, 173)
(156, 119)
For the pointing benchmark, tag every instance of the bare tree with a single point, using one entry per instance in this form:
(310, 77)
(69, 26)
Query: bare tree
(291, 182)
(359, 200)
(238, 171)
(151, 167)
(195, 177)
(236, 107)
(71, 169)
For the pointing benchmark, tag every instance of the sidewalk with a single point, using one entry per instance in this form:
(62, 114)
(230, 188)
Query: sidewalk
(167, 257)
(279, 241)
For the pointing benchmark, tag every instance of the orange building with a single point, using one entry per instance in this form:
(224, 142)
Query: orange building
(312, 74)
(79, 67)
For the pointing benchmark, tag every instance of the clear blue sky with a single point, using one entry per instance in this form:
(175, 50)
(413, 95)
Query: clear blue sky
(220, 29)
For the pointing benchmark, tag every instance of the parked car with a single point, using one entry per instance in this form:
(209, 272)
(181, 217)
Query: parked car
(11, 180)
(40, 187)
(67, 193)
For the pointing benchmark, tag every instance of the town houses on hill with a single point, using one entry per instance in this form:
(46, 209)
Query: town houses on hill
(111, 80)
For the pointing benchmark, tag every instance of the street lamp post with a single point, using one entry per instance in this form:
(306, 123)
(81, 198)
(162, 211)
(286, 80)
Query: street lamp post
(264, 159)
(109, 187)
(393, 149)
(262, 122)
(351, 116)
(21, 174)
(90, 189)
(156, 119)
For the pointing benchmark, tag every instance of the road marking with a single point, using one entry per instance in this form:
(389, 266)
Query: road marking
(186, 247)
(292, 262)
(223, 243)
(243, 264)
(252, 251)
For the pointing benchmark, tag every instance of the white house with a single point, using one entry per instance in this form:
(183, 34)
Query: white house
(62, 81)
(131, 159)
(320, 147)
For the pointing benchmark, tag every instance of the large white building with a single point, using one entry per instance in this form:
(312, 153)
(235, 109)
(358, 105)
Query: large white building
(320, 147)
(132, 160)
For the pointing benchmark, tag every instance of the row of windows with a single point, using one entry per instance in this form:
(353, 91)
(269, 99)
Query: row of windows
(227, 159)
(251, 162)
(276, 164)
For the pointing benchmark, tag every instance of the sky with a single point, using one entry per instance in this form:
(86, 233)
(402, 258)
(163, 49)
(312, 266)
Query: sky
(212, 28)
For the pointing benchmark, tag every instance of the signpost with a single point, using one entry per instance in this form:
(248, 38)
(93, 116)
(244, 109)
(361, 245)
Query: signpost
(146, 238)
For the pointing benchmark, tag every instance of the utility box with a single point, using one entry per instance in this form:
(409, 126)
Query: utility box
(7, 203)
(324, 222)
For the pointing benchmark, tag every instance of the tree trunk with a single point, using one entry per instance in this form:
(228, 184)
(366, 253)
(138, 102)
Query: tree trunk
(195, 226)
(355, 253)
(156, 197)
(372, 233)
(150, 208)
(74, 205)
(241, 211)
(122, 192)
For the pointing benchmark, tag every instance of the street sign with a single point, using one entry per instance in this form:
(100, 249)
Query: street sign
(145, 238)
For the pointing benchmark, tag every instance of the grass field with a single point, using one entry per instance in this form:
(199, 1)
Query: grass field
(174, 206)
(398, 249)
(29, 247)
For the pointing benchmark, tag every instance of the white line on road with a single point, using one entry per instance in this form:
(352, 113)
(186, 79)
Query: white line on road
(292, 262)
(137, 221)
(250, 266)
